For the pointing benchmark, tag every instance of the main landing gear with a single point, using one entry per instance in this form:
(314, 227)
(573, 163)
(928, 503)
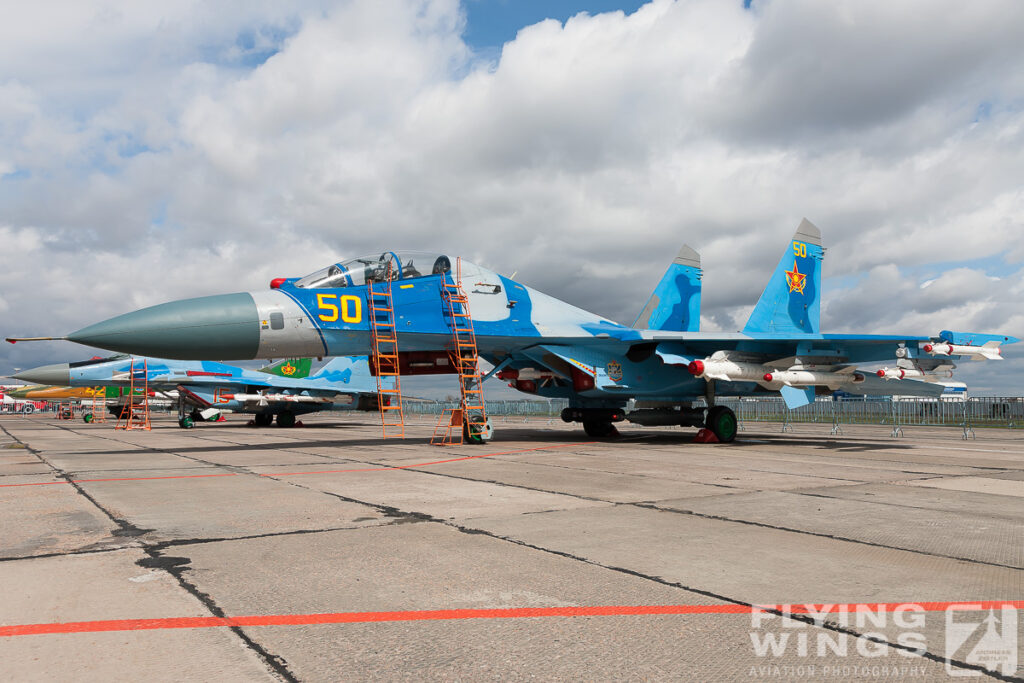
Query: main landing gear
(598, 423)
(186, 419)
(721, 421)
(600, 429)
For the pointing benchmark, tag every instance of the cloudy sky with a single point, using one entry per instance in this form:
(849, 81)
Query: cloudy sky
(154, 151)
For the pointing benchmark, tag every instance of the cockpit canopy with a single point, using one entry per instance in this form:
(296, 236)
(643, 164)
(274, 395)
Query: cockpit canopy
(390, 265)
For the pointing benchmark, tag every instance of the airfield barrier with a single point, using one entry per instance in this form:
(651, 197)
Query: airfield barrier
(977, 412)
(983, 411)
(499, 408)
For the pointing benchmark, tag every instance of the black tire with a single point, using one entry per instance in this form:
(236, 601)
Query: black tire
(196, 416)
(600, 429)
(472, 429)
(721, 421)
(263, 419)
(286, 418)
(186, 422)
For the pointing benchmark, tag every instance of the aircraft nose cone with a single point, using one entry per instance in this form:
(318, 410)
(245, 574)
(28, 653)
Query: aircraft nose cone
(222, 327)
(56, 375)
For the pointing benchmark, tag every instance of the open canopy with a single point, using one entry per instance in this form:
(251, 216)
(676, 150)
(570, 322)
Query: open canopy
(392, 265)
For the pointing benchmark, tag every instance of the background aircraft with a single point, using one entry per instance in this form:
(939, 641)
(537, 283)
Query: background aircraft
(284, 390)
(9, 404)
(665, 374)
(48, 392)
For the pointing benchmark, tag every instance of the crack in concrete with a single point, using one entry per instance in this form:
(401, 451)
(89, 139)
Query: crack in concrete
(175, 568)
(764, 525)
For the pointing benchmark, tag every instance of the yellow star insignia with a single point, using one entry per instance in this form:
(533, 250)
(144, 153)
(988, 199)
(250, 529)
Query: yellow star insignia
(795, 279)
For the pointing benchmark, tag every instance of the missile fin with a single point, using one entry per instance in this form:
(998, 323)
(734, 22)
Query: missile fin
(795, 398)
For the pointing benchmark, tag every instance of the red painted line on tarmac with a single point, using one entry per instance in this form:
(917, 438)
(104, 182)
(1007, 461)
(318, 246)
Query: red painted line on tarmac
(292, 474)
(427, 464)
(80, 481)
(464, 614)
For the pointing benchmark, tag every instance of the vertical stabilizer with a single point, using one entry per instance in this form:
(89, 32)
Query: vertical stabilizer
(675, 303)
(293, 368)
(791, 303)
(354, 370)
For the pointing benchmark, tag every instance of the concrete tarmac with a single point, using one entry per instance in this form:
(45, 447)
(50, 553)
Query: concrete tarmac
(321, 553)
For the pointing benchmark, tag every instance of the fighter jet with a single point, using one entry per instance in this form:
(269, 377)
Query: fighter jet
(282, 391)
(663, 371)
(50, 392)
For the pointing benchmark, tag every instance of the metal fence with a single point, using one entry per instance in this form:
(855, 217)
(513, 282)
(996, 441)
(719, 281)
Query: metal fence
(897, 413)
(502, 408)
(983, 411)
(967, 414)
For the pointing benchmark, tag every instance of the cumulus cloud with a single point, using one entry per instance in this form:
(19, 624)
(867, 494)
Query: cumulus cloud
(155, 151)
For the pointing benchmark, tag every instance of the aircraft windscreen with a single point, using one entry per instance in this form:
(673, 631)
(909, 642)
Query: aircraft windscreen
(367, 270)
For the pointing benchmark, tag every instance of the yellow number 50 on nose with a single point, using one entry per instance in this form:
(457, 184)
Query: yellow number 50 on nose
(351, 308)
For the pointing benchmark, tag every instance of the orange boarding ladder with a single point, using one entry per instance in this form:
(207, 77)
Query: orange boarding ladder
(385, 355)
(454, 422)
(135, 415)
(99, 405)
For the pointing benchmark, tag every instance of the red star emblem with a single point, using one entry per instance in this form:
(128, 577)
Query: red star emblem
(796, 280)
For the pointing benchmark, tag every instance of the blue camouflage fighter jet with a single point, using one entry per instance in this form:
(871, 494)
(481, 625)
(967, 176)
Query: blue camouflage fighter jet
(205, 388)
(662, 370)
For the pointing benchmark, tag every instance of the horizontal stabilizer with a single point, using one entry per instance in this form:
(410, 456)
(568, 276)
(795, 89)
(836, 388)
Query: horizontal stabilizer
(791, 304)
(675, 303)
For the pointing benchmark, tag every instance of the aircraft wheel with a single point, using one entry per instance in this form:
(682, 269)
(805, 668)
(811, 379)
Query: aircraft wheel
(196, 416)
(722, 423)
(262, 419)
(87, 418)
(286, 418)
(186, 422)
(600, 429)
(476, 429)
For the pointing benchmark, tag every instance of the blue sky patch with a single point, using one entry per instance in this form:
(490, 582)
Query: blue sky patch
(492, 23)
